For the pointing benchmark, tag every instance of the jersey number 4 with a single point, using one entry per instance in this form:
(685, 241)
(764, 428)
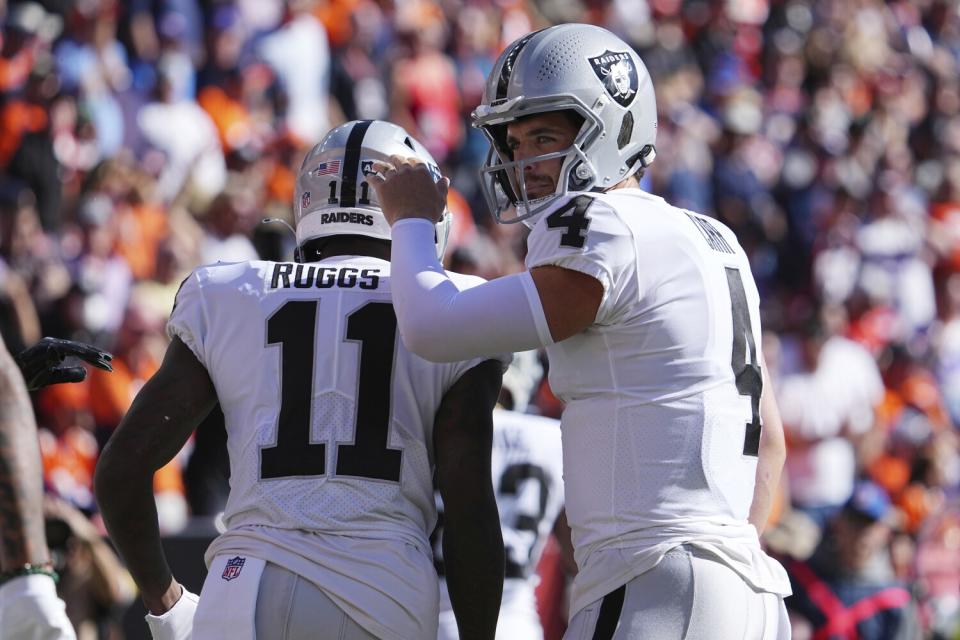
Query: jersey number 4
(746, 372)
(572, 218)
(293, 327)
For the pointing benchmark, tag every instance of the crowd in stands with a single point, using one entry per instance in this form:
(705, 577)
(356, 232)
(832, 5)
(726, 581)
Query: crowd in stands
(141, 139)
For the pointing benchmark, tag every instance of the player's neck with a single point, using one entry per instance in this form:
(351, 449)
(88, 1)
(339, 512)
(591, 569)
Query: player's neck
(629, 183)
(350, 246)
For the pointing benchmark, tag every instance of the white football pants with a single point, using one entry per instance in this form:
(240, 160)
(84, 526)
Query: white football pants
(688, 596)
(284, 607)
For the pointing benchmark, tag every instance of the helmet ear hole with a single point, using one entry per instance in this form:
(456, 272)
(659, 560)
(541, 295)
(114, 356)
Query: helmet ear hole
(626, 131)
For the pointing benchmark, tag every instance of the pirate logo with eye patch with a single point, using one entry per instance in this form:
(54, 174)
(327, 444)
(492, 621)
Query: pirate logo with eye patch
(618, 74)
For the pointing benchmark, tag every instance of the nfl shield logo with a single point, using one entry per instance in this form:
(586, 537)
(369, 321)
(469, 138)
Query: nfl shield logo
(232, 570)
(305, 200)
(618, 74)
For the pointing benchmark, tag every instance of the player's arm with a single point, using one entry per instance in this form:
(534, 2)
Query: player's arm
(773, 453)
(561, 533)
(28, 601)
(440, 322)
(163, 415)
(472, 541)
(22, 537)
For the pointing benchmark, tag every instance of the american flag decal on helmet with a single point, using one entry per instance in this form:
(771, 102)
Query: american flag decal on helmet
(327, 168)
(232, 570)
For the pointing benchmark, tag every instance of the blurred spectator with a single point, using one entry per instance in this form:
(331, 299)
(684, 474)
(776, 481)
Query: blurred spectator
(425, 96)
(136, 356)
(826, 409)
(68, 446)
(938, 572)
(26, 144)
(193, 162)
(299, 54)
(137, 353)
(93, 583)
(847, 588)
(948, 347)
(227, 226)
(93, 66)
(101, 273)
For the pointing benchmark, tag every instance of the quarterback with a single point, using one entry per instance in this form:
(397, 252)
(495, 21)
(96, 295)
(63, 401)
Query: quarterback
(335, 432)
(649, 314)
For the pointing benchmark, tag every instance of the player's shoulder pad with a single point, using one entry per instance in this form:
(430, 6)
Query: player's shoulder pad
(219, 276)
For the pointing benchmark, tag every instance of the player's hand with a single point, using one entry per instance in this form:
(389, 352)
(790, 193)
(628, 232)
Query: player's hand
(176, 623)
(406, 189)
(30, 608)
(40, 363)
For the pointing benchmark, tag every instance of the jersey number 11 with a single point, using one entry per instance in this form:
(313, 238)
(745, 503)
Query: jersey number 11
(293, 327)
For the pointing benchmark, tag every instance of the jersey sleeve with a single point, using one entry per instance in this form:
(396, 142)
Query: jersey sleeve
(189, 320)
(459, 368)
(585, 234)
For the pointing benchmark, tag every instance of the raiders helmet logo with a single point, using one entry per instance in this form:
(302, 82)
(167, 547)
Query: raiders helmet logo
(618, 74)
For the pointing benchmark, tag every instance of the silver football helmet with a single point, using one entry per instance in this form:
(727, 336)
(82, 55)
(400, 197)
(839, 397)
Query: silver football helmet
(332, 195)
(577, 67)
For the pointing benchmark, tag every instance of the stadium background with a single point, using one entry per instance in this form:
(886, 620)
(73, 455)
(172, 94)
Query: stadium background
(140, 139)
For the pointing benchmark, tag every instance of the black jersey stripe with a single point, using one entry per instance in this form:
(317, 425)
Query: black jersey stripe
(351, 164)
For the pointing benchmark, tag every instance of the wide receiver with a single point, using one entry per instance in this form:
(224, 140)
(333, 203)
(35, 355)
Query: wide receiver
(334, 432)
(650, 318)
(527, 470)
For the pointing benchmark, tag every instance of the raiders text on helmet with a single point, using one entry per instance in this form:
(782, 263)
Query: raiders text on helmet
(576, 67)
(332, 194)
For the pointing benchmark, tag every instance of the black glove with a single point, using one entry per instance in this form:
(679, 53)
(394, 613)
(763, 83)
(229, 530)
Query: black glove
(39, 362)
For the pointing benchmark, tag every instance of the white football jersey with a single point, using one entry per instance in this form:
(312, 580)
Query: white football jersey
(662, 424)
(329, 429)
(527, 467)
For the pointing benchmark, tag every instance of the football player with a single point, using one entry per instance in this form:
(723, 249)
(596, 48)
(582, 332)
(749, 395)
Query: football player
(29, 605)
(672, 444)
(334, 433)
(528, 480)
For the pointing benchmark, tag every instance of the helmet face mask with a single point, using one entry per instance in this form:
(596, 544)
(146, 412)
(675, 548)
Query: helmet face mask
(332, 195)
(502, 176)
(578, 68)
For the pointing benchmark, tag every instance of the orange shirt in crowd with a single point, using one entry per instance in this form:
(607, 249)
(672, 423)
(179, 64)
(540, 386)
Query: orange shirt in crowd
(18, 118)
(335, 16)
(15, 70)
(229, 116)
(111, 396)
(140, 230)
(113, 392)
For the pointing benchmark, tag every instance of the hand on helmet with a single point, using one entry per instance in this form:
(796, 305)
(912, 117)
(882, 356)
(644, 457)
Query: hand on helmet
(39, 363)
(406, 189)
